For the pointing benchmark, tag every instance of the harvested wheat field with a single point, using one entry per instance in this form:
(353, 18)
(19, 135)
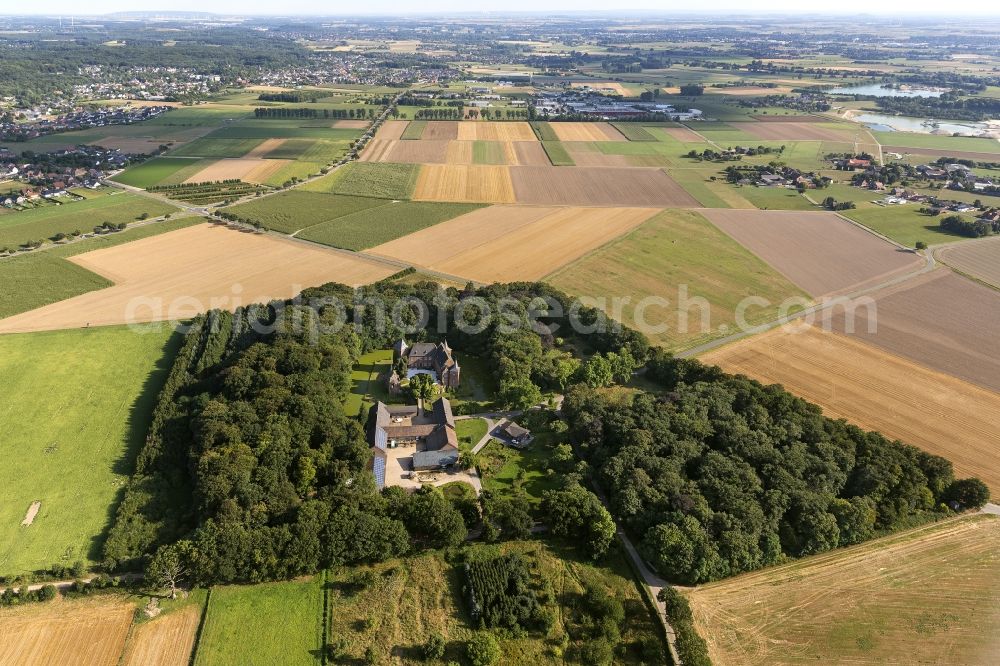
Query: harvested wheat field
(598, 186)
(481, 244)
(418, 152)
(176, 275)
(164, 641)
(820, 252)
(979, 259)
(391, 130)
(926, 596)
(265, 147)
(941, 320)
(852, 380)
(245, 169)
(459, 152)
(494, 131)
(461, 183)
(77, 631)
(777, 131)
(351, 124)
(377, 150)
(530, 153)
(586, 132)
(440, 130)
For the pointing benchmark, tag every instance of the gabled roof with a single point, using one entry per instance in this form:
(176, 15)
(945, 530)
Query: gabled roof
(442, 412)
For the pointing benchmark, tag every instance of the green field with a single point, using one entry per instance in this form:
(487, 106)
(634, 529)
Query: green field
(488, 152)
(709, 194)
(634, 131)
(262, 625)
(159, 171)
(902, 224)
(506, 470)
(310, 150)
(278, 130)
(381, 180)
(414, 597)
(75, 407)
(938, 142)
(414, 130)
(298, 209)
(83, 216)
(544, 131)
(217, 147)
(557, 153)
(199, 116)
(675, 250)
(364, 387)
(380, 224)
(776, 198)
(469, 432)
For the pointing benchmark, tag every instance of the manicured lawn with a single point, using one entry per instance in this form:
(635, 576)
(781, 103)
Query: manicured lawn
(469, 432)
(153, 172)
(365, 389)
(261, 625)
(75, 407)
(297, 209)
(83, 216)
(902, 224)
(675, 251)
(38, 278)
(373, 226)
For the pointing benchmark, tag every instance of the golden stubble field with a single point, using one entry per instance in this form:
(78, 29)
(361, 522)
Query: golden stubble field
(927, 596)
(586, 132)
(879, 391)
(507, 243)
(167, 640)
(76, 631)
(176, 275)
(458, 182)
(248, 169)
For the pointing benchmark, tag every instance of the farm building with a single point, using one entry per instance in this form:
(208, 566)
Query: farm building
(432, 433)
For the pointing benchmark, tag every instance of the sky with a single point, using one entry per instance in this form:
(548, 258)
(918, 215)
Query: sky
(332, 7)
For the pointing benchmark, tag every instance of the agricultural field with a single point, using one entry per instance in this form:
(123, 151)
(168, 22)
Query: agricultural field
(802, 131)
(674, 251)
(299, 209)
(461, 183)
(80, 631)
(251, 170)
(71, 452)
(595, 186)
(939, 319)
(902, 224)
(38, 278)
(160, 171)
(169, 638)
(879, 391)
(381, 181)
(414, 597)
(495, 131)
(820, 252)
(83, 216)
(380, 224)
(978, 259)
(557, 154)
(775, 198)
(709, 193)
(261, 625)
(479, 245)
(218, 148)
(586, 132)
(925, 596)
(177, 275)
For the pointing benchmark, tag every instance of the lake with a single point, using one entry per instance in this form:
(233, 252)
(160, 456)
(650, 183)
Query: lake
(879, 90)
(881, 122)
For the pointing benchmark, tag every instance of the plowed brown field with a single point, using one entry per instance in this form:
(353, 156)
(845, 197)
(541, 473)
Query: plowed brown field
(377, 149)
(820, 252)
(494, 131)
(418, 152)
(795, 131)
(176, 275)
(598, 186)
(263, 148)
(351, 124)
(878, 391)
(391, 130)
(979, 259)
(530, 153)
(456, 182)
(505, 243)
(927, 596)
(586, 132)
(165, 641)
(78, 631)
(941, 320)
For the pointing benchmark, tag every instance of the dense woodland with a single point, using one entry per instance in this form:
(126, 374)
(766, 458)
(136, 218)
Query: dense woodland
(252, 470)
(721, 475)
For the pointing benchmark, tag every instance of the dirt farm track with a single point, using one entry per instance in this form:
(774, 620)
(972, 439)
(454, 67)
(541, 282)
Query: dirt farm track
(178, 274)
(878, 391)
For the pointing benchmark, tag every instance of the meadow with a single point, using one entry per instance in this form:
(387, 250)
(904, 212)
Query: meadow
(380, 224)
(159, 171)
(902, 224)
(299, 209)
(83, 216)
(679, 250)
(73, 450)
(924, 596)
(261, 625)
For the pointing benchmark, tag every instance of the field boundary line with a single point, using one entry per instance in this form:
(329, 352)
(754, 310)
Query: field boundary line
(193, 659)
(324, 620)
